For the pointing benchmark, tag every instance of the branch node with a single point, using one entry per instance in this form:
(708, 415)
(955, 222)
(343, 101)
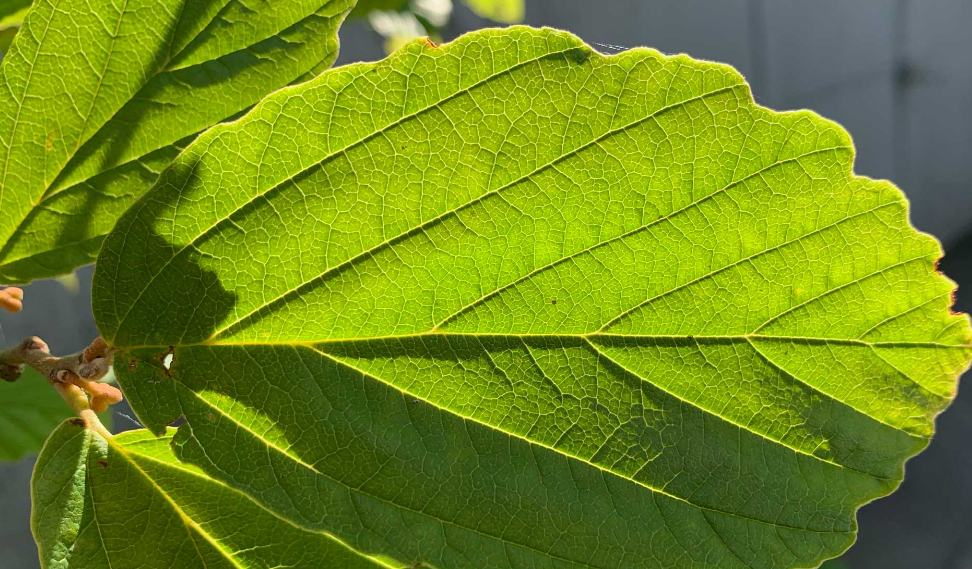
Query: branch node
(80, 372)
(11, 372)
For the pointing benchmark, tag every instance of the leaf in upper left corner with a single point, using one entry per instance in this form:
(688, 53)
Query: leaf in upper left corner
(84, 132)
(129, 503)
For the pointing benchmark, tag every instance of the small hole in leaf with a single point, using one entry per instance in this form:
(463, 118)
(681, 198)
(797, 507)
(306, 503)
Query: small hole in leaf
(132, 364)
(167, 358)
(103, 464)
(554, 302)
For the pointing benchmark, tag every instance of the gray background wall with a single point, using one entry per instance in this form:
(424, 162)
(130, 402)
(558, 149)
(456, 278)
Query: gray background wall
(896, 73)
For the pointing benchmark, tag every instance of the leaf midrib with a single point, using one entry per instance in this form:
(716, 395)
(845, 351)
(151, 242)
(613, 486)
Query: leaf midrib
(570, 336)
(591, 338)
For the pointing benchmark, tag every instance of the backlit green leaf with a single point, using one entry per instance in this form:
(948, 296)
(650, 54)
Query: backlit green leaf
(508, 302)
(95, 103)
(128, 503)
(505, 11)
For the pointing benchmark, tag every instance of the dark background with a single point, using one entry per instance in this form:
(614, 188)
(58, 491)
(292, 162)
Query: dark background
(896, 73)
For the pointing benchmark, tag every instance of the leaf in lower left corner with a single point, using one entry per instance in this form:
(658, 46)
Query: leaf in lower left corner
(129, 503)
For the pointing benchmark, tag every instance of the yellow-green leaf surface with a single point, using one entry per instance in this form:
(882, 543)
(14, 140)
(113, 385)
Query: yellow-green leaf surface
(505, 11)
(129, 503)
(508, 302)
(30, 409)
(99, 96)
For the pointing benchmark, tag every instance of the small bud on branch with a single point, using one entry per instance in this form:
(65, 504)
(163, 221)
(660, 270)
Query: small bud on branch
(12, 299)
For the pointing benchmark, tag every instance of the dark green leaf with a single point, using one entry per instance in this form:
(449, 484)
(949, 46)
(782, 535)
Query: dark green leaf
(11, 7)
(30, 409)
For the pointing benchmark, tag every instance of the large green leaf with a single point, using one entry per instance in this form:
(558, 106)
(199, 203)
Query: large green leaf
(512, 303)
(128, 503)
(29, 410)
(99, 96)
